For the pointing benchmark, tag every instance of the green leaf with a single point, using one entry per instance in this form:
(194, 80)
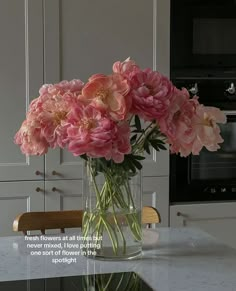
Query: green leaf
(157, 145)
(162, 147)
(133, 138)
(146, 147)
(136, 157)
(137, 164)
(84, 157)
(154, 145)
(127, 164)
(137, 122)
(133, 160)
(131, 166)
(161, 141)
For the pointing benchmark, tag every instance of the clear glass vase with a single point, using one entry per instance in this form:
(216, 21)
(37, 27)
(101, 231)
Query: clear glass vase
(112, 211)
(113, 281)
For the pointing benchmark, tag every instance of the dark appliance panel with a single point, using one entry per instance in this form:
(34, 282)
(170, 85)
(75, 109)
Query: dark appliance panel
(203, 60)
(220, 93)
(210, 176)
(203, 38)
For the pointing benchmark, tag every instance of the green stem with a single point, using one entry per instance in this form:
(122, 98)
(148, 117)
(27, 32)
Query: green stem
(95, 186)
(144, 132)
(108, 283)
(118, 227)
(138, 147)
(111, 197)
(128, 190)
(119, 283)
(113, 241)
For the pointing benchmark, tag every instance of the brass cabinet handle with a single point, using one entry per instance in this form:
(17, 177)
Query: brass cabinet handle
(54, 173)
(38, 189)
(37, 173)
(182, 214)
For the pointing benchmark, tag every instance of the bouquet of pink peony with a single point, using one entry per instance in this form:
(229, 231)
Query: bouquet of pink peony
(100, 119)
(100, 122)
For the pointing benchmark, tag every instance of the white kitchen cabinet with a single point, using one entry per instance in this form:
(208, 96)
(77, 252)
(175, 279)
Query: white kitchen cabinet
(48, 41)
(53, 40)
(80, 41)
(63, 195)
(18, 197)
(61, 164)
(25, 196)
(21, 74)
(218, 219)
(67, 194)
(156, 194)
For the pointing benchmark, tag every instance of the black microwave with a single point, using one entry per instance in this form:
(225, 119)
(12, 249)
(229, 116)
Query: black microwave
(203, 41)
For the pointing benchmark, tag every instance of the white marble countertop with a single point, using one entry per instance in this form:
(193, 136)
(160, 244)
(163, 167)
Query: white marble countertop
(173, 260)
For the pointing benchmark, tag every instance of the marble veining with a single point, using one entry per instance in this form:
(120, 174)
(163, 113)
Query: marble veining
(173, 259)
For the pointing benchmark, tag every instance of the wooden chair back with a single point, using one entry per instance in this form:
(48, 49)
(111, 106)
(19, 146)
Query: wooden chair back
(67, 219)
(48, 220)
(150, 215)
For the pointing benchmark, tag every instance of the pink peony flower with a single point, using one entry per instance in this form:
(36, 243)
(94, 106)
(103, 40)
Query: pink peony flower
(48, 113)
(108, 93)
(30, 140)
(121, 143)
(52, 115)
(93, 118)
(172, 120)
(177, 125)
(74, 86)
(92, 133)
(151, 93)
(89, 132)
(189, 126)
(127, 69)
(206, 128)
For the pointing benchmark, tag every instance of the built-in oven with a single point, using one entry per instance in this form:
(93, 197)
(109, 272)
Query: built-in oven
(203, 59)
(203, 41)
(218, 92)
(209, 176)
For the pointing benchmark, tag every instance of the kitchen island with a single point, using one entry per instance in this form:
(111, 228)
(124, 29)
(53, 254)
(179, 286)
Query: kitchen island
(174, 259)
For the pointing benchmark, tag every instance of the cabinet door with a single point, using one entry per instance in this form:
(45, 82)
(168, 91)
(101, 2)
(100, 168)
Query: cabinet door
(67, 194)
(18, 197)
(63, 195)
(156, 194)
(80, 41)
(21, 71)
(157, 164)
(218, 219)
(61, 164)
